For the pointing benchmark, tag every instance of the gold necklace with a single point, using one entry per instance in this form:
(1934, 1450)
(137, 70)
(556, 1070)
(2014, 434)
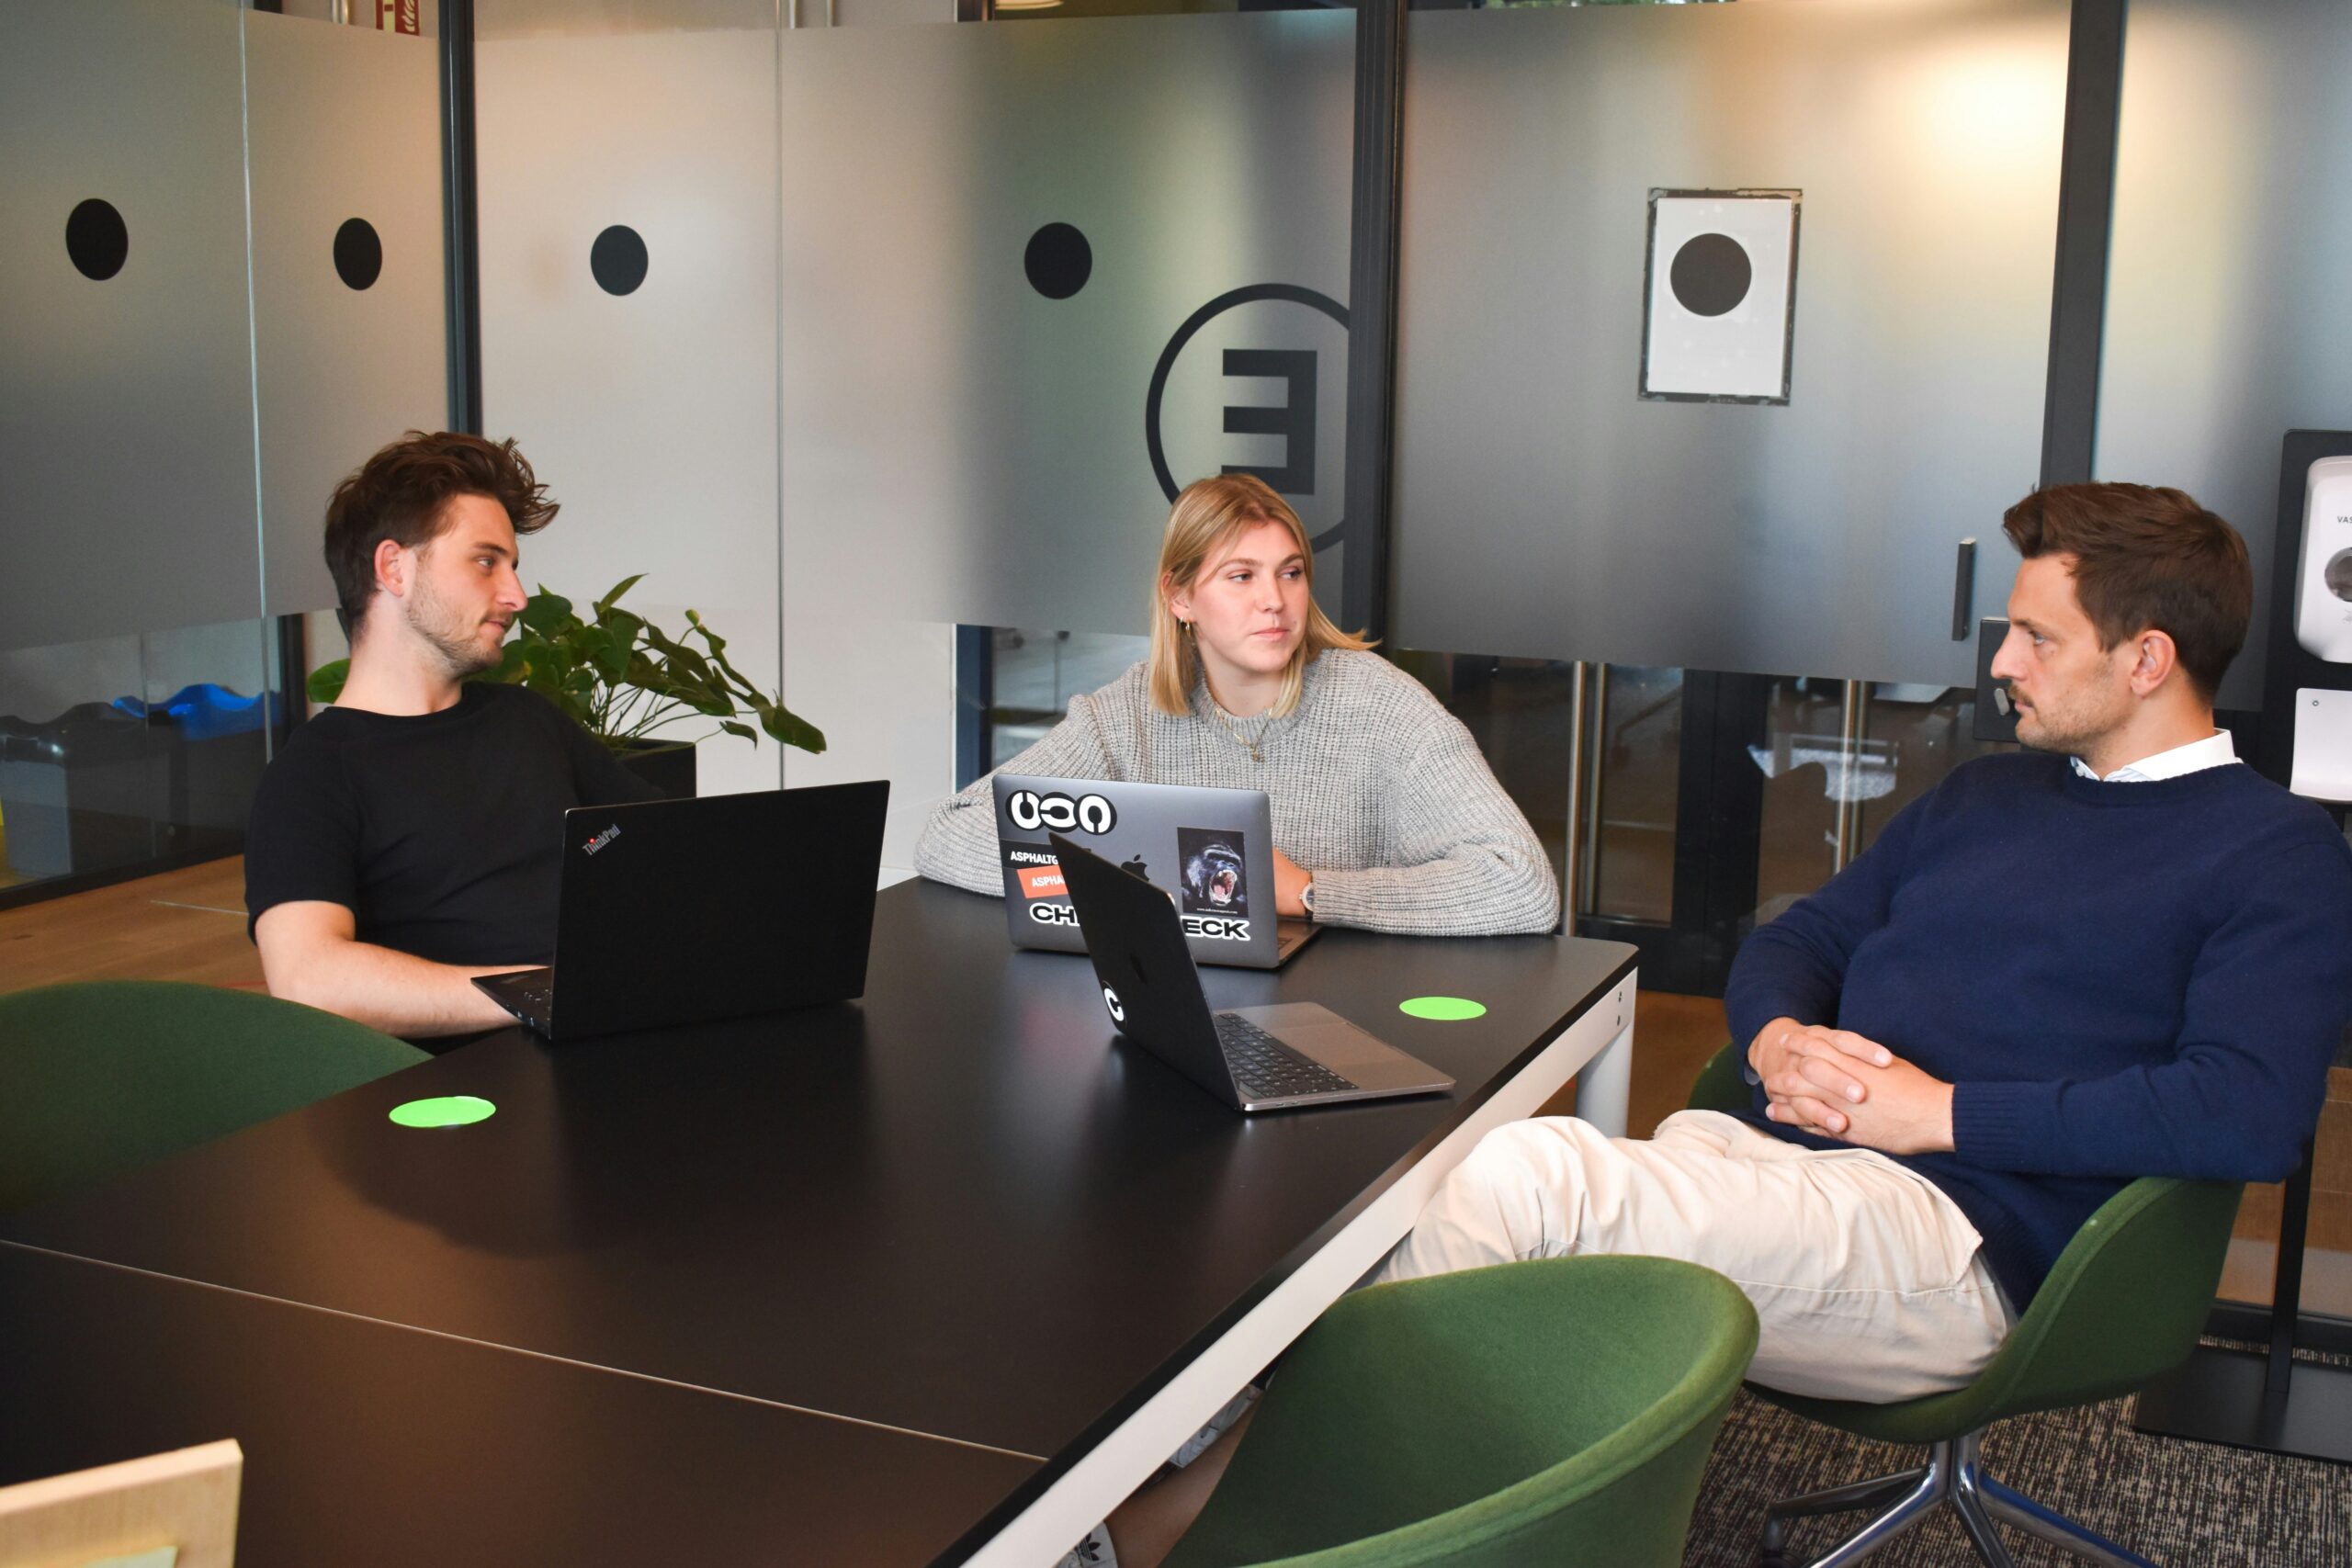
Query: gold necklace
(1249, 743)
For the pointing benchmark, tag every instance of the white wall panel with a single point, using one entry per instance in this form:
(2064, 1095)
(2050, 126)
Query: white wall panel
(2228, 318)
(650, 414)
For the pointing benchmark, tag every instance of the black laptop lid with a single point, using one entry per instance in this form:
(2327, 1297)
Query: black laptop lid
(679, 911)
(1136, 944)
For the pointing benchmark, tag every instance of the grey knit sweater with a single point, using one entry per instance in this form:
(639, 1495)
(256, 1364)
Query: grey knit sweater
(1376, 790)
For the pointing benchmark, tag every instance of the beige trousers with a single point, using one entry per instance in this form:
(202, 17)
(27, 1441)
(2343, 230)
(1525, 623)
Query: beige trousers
(1869, 1283)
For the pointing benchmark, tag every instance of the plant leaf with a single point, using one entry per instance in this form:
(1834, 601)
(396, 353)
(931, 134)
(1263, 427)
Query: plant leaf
(789, 728)
(624, 625)
(716, 642)
(544, 613)
(613, 597)
(326, 682)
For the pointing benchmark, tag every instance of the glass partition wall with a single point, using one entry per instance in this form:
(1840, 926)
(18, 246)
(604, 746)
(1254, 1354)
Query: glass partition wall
(221, 287)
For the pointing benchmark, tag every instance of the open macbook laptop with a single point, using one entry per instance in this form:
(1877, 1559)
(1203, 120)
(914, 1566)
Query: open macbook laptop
(682, 911)
(1267, 1059)
(1210, 850)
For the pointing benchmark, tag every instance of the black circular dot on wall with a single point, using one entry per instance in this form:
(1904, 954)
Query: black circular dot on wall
(618, 260)
(1711, 275)
(1058, 261)
(96, 241)
(358, 254)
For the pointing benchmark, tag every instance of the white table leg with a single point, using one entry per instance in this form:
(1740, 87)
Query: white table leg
(1607, 1082)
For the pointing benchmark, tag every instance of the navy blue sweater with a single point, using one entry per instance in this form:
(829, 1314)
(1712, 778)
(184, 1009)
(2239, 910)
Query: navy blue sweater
(2118, 979)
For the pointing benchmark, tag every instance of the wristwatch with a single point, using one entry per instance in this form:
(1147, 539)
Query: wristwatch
(1307, 898)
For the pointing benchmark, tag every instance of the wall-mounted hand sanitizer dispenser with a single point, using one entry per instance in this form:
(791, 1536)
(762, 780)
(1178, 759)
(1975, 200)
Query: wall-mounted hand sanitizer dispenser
(2324, 570)
(2305, 740)
(2323, 767)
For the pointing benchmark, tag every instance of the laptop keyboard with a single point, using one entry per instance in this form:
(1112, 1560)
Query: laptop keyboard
(537, 994)
(1268, 1069)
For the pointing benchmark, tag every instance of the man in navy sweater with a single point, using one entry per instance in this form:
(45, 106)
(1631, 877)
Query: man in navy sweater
(2120, 953)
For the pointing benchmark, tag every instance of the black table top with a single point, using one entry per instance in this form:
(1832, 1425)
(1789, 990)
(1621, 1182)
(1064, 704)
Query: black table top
(961, 1207)
(367, 1444)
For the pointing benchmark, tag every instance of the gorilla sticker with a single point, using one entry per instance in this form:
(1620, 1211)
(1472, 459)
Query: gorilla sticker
(1214, 879)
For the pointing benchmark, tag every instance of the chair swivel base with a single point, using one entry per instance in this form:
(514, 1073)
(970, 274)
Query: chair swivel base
(1952, 1474)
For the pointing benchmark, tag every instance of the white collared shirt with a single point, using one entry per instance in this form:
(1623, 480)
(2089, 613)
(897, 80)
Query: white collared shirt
(2197, 755)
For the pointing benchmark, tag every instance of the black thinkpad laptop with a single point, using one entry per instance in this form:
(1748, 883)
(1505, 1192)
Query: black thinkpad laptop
(682, 911)
(1269, 1058)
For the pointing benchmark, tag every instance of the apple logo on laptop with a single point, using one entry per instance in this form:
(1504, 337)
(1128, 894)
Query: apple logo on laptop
(1136, 868)
(1111, 1000)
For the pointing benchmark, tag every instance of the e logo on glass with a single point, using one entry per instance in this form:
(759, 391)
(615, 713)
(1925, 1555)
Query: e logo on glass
(1289, 345)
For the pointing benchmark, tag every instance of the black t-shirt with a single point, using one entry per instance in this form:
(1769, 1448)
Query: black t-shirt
(441, 832)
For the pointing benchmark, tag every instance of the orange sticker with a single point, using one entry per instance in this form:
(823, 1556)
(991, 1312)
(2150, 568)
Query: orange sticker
(1042, 881)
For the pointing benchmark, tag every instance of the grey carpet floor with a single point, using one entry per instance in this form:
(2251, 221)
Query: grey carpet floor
(2180, 1503)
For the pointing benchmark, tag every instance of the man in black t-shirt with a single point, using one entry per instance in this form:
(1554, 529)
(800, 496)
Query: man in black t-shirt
(409, 837)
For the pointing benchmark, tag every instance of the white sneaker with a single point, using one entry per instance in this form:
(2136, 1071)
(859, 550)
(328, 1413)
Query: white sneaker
(1219, 1424)
(1094, 1551)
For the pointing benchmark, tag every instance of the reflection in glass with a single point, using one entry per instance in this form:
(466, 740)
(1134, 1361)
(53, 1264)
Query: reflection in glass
(1037, 674)
(1908, 738)
(1519, 711)
(1638, 722)
(132, 748)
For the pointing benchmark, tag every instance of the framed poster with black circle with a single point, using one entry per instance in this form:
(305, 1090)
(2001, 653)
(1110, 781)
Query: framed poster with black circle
(1719, 292)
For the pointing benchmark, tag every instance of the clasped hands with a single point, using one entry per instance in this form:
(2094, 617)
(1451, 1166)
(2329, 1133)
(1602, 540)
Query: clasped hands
(1841, 1085)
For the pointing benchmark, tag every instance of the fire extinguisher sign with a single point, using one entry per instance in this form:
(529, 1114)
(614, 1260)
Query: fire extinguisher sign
(397, 16)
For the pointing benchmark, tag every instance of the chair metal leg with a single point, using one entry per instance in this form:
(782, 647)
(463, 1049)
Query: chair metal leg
(2014, 1507)
(1852, 1497)
(1913, 1494)
(1977, 1521)
(1954, 1471)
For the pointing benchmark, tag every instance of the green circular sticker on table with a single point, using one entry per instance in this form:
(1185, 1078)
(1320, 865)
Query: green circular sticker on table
(1442, 1009)
(448, 1110)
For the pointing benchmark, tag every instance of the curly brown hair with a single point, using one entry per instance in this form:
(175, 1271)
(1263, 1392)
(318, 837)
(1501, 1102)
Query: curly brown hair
(2146, 557)
(402, 493)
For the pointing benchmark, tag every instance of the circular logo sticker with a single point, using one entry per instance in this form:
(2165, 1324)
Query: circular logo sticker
(1111, 1000)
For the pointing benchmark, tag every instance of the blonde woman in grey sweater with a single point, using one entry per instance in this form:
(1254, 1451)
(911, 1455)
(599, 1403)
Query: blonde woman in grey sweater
(1384, 814)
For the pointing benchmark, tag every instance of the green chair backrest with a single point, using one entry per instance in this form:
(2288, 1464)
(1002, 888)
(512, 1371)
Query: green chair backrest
(2122, 1305)
(1553, 1410)
(100, 1078)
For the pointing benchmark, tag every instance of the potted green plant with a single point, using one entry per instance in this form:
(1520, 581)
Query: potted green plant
(621, 676)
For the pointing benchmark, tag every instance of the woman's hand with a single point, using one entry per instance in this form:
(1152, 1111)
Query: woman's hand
(1290, 878)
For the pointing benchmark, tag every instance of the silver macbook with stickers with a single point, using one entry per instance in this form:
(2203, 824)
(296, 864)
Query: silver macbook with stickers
(1211, 851)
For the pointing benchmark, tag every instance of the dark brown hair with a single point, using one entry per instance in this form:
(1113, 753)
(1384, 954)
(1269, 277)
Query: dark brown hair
(402, 493)
(2146, 557)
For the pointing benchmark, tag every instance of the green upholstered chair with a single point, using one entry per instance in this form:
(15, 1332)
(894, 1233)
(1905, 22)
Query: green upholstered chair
(1554, 1411)
(2124, 1305)
(98, 1078)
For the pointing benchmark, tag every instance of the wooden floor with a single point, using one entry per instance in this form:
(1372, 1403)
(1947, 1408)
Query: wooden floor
(190, 925)
(179, 925)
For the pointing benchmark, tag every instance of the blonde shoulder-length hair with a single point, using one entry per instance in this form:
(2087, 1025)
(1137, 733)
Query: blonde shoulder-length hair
(1208, 517)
